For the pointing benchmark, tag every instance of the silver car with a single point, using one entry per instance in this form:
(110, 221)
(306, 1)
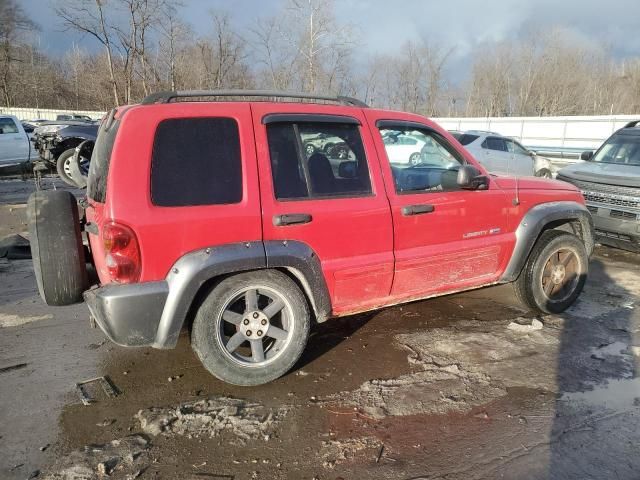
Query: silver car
(504, 155)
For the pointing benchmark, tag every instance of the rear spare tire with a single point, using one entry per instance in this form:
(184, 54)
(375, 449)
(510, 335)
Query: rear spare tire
(56, 247)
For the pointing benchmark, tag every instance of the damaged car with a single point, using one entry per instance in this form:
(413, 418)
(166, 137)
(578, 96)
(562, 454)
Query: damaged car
(56, 143)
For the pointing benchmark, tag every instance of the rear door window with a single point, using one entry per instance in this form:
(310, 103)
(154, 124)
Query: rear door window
(196, 161)
(317, 160)
(495, 143)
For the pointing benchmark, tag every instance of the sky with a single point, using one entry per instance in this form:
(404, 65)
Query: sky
(383, 26)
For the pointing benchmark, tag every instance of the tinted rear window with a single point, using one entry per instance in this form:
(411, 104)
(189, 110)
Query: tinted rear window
(196, 161)
(100, 160)
(467, 138)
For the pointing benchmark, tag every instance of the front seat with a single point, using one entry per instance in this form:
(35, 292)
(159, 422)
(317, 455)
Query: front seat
(322, 179)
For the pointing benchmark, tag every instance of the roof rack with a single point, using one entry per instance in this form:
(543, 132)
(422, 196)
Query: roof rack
(166, 97)
(632, 124)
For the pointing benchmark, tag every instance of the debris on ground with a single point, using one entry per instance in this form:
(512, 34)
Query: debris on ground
(10, 368)
(246, 420)
(107, 387)
(455, 372)
(334, 452)
(9, 320)
(525, 325)
(15, 247)
(125, 456)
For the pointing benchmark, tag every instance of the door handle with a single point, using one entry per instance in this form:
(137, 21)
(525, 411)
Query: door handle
(291, 219)
(417, 209)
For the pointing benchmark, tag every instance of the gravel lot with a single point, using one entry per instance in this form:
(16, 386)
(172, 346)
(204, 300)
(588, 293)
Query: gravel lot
(460, 387)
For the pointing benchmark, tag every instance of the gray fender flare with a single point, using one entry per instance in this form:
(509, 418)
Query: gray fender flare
(301, 261)
(194, 269)
(191, 271)
(534, 222)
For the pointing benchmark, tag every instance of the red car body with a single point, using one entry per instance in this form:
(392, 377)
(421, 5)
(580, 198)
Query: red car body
(371, 254)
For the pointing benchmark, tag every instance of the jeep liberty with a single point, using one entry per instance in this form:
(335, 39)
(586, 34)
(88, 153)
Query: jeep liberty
(216, 216)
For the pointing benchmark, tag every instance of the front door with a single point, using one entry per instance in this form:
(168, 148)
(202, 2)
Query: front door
(521, 160)
(320, 184)
(445, 238)
(14, 145)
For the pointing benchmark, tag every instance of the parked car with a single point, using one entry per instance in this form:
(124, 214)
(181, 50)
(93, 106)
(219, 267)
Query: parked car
(610, 182)
(504, 155)
(56, 143)
(73, 117)
(211, 216)
(403, 148)
(15, 147)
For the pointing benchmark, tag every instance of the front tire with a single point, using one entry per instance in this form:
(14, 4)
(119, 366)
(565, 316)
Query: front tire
(544, 173)
(251, 328)
(554, 274)
(63, 165)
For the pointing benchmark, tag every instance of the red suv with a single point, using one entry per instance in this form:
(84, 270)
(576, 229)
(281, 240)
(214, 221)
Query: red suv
(213, 215)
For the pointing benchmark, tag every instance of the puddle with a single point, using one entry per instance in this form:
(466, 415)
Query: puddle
(613, 349)
(617, 394)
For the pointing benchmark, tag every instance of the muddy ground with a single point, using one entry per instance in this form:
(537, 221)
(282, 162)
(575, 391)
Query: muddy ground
(461, 387)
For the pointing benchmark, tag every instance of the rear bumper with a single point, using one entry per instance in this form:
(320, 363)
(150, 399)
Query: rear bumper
(129, 314)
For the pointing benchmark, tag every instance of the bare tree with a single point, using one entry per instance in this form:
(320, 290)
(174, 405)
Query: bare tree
(88, 16)
(13, 25)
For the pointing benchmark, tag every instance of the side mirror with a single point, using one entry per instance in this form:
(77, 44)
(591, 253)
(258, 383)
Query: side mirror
(348, 169)
(586, 155)
(469, 178)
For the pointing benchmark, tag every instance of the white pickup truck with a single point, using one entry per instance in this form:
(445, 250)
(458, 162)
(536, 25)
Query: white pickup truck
(15, 145)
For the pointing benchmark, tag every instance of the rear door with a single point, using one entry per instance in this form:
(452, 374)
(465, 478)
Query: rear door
(445, 238)
(495, 155)
(333, 200)
(14, 144)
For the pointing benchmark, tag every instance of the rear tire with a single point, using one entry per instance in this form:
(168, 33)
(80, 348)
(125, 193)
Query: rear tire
(62, 164)
(554, 274)
(56, 247)
(251, 328)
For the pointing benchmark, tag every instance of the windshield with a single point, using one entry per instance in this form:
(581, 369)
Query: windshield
(620, 149)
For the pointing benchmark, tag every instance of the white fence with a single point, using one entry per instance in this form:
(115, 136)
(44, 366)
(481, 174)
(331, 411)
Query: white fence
(45, 114)
(562, 133)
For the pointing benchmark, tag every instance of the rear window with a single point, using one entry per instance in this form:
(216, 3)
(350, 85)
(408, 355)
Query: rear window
(100, 159)
(467, 138)
(196, 161)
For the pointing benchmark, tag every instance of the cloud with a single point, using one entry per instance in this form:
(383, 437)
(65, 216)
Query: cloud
(383, 26)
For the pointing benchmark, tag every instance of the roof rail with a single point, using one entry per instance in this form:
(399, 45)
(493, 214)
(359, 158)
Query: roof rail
(632, 124)
(166, 97)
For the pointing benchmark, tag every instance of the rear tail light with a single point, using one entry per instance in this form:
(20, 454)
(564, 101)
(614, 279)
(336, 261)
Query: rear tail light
(122, 254)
